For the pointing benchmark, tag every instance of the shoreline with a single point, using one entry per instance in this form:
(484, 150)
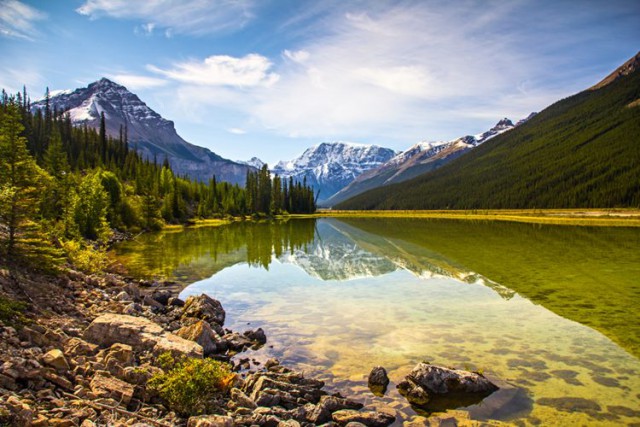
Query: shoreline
(82, 358)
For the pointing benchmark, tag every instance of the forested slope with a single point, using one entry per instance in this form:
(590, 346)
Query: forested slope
(583, 151)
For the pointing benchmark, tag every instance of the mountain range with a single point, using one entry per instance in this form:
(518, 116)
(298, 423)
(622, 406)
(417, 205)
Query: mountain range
(149, 133)
(416, 160)
(330, 166)
(582, 151)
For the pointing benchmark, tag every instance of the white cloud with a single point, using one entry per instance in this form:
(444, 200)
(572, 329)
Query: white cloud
(299, 56)
(221, 70)
(236, 131)
(133, 82)
(195, 17)
(17, 19)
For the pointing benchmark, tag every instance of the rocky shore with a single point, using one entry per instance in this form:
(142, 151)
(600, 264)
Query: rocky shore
(85, 347)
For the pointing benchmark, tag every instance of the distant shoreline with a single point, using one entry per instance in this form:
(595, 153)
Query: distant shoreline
(619, 217)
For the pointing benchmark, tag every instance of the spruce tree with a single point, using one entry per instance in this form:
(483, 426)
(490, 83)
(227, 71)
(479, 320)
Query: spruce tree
(19, 177)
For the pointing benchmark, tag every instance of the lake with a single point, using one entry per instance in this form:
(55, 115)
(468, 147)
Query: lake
(549, 312)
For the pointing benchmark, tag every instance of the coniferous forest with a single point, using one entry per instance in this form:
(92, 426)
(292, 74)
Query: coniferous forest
(66, 184)
(581, 152)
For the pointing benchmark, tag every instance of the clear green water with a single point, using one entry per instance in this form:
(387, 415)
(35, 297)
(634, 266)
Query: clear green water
(549, 311)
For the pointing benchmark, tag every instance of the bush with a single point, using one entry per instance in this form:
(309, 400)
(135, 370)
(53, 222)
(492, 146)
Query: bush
(85, 258)
(11, 311)
(190, 386)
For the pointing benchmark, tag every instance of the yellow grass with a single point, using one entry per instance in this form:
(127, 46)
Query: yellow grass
(587, 217)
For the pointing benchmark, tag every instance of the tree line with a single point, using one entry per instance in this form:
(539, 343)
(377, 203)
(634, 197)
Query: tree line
(63, 183)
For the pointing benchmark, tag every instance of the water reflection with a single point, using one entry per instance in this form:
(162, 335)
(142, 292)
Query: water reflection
(337, 297)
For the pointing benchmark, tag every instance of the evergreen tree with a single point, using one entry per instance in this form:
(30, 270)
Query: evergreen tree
(19, 176)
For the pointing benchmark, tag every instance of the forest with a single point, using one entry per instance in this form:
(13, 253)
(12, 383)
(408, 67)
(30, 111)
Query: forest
(63, 189)
(581, 152)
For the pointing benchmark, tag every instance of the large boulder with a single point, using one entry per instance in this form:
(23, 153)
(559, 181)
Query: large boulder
(438, 380)
(141, 334)
(205, 308)
(104, 385)
(435, 389)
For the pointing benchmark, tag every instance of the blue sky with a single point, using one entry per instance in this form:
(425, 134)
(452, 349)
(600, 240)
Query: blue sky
(269, 78)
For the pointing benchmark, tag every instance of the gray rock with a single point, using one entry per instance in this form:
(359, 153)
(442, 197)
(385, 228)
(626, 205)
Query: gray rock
(139, 333)
(161, 295)
(438, 380)
(201, 333)
(378, 381)
(205, 308)
(210, 421)
(258, 336)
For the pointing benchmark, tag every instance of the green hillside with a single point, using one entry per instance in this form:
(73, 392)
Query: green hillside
(583, 151)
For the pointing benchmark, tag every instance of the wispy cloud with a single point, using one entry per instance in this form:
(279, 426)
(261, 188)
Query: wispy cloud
(194, 17)
(134, 82)
(236, 131)
(13, 79)
(17, 19)
(222, 70)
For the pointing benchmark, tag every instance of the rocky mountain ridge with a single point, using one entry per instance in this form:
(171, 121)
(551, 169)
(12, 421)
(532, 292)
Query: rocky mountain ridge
(149, 133)
(330, 166)
(418, 159)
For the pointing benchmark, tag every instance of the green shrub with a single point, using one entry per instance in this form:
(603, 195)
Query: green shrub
(85, 257)
(190, 386)
(11, 311)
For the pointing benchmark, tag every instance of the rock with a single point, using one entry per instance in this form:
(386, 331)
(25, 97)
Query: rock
(329, 404)
(51, 376)
(436, 389)
(55, 358)
(161, 295)
(104, 385)
(21, 413)
(133, 308)
(368, 418)
(139, 333)
(271, 363)
(355, 424)
(205, 308)
(415, 394)
(289, 423)
(201, 333)
(148, 300)
(123, 296)
(237, 342)
(78, 347)
(210, 421)
(175, 302)
(378, 381)
(438, 380)
(242, 399)
(258, 336)
(123, 353)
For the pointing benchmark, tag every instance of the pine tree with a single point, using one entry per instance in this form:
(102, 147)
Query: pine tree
(19, 176)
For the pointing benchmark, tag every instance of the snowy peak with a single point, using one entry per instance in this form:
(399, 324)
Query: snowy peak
(329, 166)
(147, 131)
(254, 162)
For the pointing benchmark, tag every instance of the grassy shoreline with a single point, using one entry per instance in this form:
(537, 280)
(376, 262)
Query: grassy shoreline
(586, 217)
(619, 217)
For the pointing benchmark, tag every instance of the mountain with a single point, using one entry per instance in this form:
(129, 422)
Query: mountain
(253, 162)
(330, 166)
(416, 160)
(582, 151)
(152, 135)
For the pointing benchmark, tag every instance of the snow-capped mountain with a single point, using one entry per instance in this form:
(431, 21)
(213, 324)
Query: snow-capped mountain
(330, 166)
(254, 161)
(416, 160)
(152, 135)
